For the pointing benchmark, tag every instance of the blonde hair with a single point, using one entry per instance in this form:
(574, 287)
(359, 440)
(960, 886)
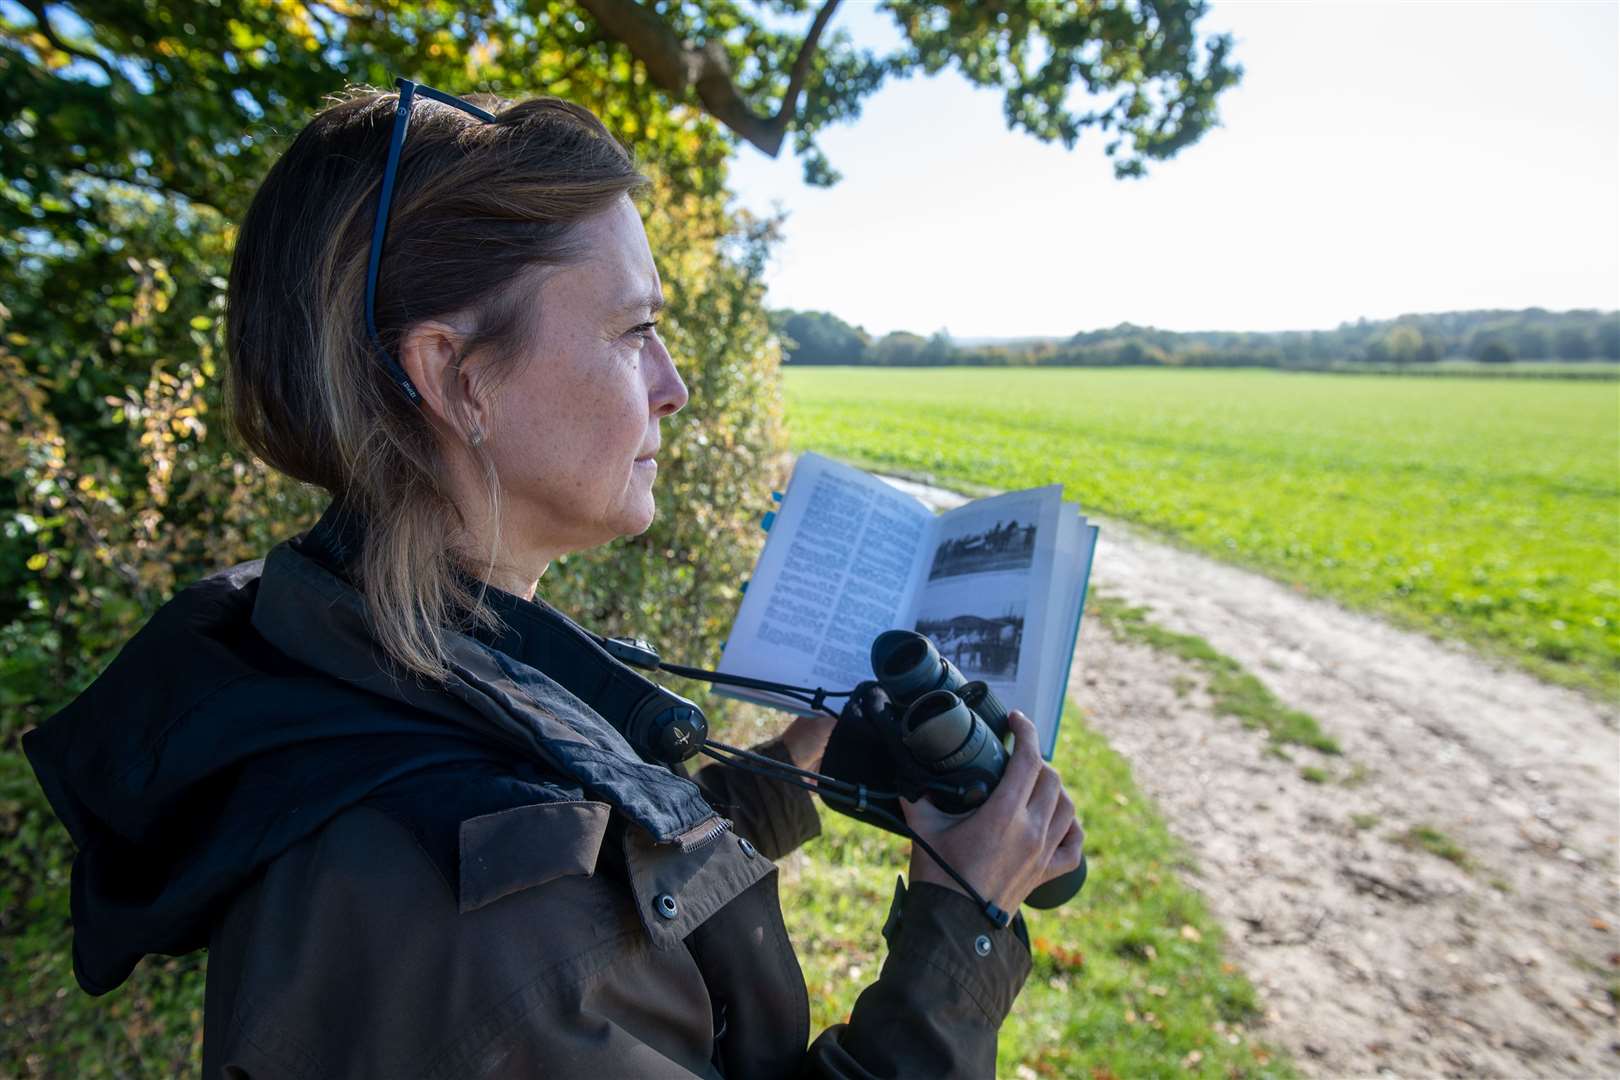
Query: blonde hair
(481, 214)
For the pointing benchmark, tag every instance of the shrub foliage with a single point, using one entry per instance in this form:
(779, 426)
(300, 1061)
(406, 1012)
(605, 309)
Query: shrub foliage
(122, 168)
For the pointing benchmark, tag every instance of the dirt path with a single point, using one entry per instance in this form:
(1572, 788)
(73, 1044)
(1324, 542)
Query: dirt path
(1372, 957)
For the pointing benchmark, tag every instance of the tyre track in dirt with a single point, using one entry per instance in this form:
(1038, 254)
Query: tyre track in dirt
(1373, 957)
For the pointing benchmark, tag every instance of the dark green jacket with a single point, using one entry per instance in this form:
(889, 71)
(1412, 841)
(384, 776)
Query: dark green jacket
(561, 908)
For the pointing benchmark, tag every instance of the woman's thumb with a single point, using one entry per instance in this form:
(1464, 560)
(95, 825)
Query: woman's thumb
(922, 815)
(911, 810)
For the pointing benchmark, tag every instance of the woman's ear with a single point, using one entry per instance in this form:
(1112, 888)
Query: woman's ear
(431, 354)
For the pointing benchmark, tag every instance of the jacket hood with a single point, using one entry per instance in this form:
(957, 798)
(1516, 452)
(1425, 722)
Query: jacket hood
(254, 707)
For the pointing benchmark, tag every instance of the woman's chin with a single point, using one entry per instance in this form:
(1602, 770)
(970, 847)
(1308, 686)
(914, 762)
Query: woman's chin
(639, 518)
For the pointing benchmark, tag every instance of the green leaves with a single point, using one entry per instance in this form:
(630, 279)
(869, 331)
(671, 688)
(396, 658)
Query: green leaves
(121, 174)
(1137, 68)
(1141, 69)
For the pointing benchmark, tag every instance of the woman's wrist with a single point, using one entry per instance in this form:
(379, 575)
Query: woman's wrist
(925, 869)
(806, 739)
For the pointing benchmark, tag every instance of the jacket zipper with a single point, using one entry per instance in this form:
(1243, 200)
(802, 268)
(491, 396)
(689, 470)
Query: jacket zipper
(702, 833)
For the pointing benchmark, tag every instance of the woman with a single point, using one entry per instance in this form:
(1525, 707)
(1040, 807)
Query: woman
(352, 769)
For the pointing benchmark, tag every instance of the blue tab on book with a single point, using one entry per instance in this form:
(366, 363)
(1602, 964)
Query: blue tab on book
(776, 496)
(768, 520)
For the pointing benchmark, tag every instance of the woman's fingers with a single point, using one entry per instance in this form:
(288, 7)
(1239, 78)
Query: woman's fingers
(1068, 853)
(1023, 833)
(1062, 816)
(1042, 808)
(1019, 777)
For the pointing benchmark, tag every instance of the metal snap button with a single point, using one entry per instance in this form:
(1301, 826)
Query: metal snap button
(666, 905)
(747, 848)
(981, 945)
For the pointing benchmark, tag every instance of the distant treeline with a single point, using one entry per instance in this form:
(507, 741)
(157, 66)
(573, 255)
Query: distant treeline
(1490, 337)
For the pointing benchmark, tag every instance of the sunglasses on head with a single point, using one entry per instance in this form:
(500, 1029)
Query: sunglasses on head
(408, 92)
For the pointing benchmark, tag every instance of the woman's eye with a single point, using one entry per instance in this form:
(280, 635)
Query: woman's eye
(644, 329)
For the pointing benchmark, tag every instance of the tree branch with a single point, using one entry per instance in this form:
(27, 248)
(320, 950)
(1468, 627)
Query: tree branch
(678, 66)
(801, 63)
(37, 9)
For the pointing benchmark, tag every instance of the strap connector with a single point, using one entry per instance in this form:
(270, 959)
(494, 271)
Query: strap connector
(633, 651)
(1001, 918)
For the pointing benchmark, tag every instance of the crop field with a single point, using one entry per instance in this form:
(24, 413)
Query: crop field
(1485, 510)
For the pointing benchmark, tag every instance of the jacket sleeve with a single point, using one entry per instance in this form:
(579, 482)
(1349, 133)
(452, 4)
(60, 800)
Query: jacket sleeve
(950, 976)
(937, 1006)
(776, 817)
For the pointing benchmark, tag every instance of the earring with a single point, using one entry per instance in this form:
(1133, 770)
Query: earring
(477, 438)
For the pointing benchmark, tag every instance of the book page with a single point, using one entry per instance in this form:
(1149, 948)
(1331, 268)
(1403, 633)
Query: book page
(985, 597)
(835, 573)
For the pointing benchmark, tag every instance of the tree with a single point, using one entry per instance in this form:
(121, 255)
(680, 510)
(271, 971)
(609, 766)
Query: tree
(816, 337)
(1530, 342)
(1608, 337)
(1402, 343)
(938, 349)
(1151, 82)
(1572, 344)
(898, 347)
(131, 137)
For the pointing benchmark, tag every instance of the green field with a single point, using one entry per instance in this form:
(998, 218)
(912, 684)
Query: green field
(1484, 510)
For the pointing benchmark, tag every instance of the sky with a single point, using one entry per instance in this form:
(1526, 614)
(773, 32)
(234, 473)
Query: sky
(1376, 159)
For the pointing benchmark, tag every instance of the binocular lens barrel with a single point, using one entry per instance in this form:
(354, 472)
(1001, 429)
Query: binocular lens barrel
(982, 700)
(936, 727)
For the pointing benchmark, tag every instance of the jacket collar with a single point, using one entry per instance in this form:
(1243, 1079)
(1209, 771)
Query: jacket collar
(307, 607)
(252, 709)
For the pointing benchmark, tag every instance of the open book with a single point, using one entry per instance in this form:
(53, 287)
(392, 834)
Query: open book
(998, 584)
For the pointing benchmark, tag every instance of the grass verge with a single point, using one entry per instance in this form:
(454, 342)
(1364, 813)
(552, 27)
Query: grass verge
(1129, 977)
(1235, 691)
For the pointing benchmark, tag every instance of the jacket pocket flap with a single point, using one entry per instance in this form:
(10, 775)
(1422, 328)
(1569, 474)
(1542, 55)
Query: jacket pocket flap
(525, 846)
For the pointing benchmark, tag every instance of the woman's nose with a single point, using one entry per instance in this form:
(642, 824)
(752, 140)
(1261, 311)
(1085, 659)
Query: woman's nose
(667, 393)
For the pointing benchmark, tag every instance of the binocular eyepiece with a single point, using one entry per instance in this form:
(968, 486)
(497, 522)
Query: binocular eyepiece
(908, 665)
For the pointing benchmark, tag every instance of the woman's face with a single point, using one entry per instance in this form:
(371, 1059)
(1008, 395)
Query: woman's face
(576, 430)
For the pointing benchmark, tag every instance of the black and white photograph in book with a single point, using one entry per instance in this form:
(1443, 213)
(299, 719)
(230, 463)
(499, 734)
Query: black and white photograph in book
(1009, 544)
(982, 646)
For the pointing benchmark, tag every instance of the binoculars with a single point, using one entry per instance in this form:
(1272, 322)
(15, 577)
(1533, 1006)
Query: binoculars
(920, 729)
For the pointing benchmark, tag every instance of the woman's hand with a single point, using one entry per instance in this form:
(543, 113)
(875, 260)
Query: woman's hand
(1023, 835)
(806, 740)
